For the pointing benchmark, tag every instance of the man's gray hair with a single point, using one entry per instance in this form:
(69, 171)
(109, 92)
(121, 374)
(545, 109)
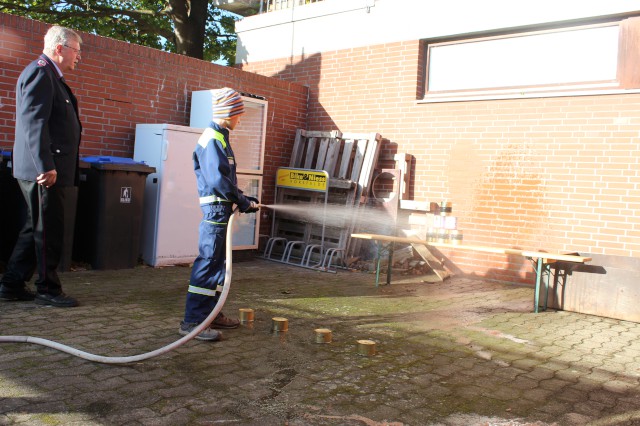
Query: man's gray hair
(59, 35)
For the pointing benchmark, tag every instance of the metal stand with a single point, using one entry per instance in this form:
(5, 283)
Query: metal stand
(302, 180)
(543, 272)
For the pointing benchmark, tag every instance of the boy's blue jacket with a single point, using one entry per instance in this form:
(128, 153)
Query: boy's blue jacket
(215, 168)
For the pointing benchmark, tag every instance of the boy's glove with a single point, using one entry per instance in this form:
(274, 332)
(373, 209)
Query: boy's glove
(253, 205)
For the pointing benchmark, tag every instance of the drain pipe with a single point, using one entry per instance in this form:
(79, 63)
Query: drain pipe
(144, 356)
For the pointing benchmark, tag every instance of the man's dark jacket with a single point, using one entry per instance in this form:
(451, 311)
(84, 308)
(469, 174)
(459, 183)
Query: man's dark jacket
(47, 125)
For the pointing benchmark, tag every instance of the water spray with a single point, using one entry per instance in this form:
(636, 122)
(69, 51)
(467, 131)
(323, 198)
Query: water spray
(141, 357)
(338, 215)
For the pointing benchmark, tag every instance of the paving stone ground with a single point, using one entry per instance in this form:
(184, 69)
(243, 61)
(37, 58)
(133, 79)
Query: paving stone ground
(461, 352)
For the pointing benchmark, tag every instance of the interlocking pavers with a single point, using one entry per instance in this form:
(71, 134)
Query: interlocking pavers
(461, 352)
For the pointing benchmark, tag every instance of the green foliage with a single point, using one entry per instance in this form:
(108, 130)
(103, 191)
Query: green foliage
(151, 23)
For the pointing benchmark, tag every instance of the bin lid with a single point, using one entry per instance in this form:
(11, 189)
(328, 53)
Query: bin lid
(101, 162)
(6, 154)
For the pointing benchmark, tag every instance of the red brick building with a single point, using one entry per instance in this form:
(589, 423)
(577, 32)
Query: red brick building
(525, 116)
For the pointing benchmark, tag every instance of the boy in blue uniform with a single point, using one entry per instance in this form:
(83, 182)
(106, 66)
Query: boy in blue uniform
(215, 168)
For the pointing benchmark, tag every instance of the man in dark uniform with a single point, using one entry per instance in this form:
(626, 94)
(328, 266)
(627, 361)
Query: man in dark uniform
(45, 161)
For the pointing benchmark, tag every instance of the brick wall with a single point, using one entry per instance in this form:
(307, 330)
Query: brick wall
(555, 174)
(119, 85)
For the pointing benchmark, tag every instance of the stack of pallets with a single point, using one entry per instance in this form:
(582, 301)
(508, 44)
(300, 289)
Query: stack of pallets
(349, 160)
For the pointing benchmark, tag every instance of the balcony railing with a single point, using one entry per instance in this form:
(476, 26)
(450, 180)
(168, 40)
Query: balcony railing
(271, 5)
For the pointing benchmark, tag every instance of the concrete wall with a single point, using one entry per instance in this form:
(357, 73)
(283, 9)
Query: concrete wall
(119, 85)
(556, 174)
(331, 25)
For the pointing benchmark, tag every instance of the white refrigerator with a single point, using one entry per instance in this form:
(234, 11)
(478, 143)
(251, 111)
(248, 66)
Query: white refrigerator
(171, 213)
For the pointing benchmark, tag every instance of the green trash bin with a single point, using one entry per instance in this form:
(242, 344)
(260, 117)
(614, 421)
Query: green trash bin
(109, 215)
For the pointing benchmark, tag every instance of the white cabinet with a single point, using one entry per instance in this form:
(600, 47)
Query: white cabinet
(172, 212)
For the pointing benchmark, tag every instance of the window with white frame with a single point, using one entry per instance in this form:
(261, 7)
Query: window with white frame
(542, 63)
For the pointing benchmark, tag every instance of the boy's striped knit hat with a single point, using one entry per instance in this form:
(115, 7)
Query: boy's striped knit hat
(226, 103)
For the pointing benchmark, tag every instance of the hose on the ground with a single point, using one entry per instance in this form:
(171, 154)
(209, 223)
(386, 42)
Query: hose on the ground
(141, 357)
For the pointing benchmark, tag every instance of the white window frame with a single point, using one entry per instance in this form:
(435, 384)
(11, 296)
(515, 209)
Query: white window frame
(474, 84)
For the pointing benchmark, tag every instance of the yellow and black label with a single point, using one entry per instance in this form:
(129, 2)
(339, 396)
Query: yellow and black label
(313, 180)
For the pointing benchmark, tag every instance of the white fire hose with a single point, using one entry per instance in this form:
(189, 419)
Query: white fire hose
(134, 358)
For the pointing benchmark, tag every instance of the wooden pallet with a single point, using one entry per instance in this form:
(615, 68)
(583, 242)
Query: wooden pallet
(349, 159)
(345, 156)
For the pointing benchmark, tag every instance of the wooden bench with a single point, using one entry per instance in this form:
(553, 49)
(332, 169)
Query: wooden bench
(542, 260)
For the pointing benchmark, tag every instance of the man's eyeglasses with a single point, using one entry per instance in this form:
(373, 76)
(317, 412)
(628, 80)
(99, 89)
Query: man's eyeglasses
(78, 51)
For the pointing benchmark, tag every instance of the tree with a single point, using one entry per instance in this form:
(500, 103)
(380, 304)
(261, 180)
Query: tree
(193, 28)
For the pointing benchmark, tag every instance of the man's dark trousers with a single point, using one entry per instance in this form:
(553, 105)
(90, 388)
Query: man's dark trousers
(40, 241)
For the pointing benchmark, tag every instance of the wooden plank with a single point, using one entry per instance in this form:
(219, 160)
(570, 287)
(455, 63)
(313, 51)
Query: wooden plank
(347, 151)
(311, 151)
(323, 134)
(322, 154)
(304, 148)
(403, 162)
(367, 149)
(433, 263)
(366, 156)
(340, 183)
(370, 159)
(485, 249)
(350, 203)
(332, 156)
(298, 148)
(358, 160)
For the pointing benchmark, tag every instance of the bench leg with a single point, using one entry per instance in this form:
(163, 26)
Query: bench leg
(390, 264)
(378, 253)
(379, 256)
(536, 296)
(547, 279)
(543, 275)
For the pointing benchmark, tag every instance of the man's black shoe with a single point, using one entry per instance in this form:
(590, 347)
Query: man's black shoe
(59, 301)
(9, 294)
